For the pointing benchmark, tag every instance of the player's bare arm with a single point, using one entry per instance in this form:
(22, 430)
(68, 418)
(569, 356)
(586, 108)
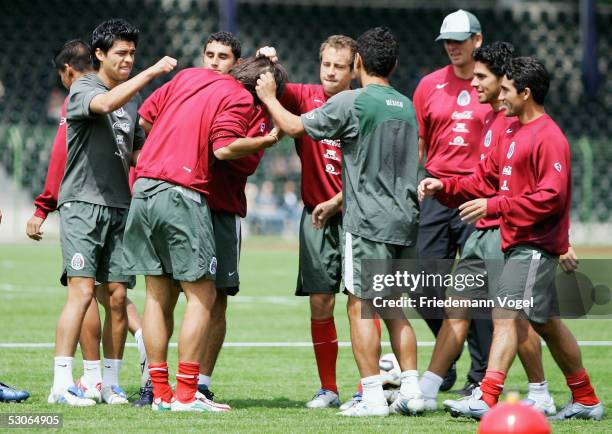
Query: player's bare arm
(121, 94)
(283, 119)
(247, 145)
(473, 210)
(325, 210)
(33, 228)
(422, 147)
(145, 125)
(569, 260)
(429, 187)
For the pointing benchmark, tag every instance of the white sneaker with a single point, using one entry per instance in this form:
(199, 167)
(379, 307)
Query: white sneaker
(363, 409)
(391, 395)
(71, 396)
(351, 402)
(197, 405)
(431, 404)
(114, 395)
(324, 399)
(408, 405)
(159, 405)
(90, 391)
(545, 405)
(212, 405)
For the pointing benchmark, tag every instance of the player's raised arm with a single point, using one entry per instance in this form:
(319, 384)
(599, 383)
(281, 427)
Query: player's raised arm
(119, 95)
(289, 123)
(247, 145)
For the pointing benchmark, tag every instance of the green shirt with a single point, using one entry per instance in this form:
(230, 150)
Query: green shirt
(99, 147)
(378, 131)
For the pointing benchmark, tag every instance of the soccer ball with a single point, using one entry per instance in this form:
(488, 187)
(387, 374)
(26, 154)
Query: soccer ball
(390, 370)
(514, 418)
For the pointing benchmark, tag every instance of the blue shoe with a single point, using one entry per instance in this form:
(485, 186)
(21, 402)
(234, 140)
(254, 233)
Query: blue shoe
(8, 394)
(146, 396)
(470, 406)
(204, 390)
(575, 410)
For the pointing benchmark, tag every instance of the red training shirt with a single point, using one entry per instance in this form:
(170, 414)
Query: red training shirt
(321, 160)
(450, 121)
(46, 202)
(530, 178)
(195, 113)
(229, 177)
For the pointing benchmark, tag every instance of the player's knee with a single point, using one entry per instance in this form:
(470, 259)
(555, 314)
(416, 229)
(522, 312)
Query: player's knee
(548, 329)
(322, 305)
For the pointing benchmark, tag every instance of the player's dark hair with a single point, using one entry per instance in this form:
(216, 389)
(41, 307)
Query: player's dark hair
(379, 50)
(495, 56)
(338, 42)
(75, 53)
(248, 71)
(105, 35)
(226, 38)
(529, 72)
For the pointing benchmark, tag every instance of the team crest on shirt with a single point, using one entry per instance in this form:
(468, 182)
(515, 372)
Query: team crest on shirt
(487, 140)
(329, 168)
(212, 268)
(464, 98)
(510, 151)
(119, 112)
(558, 167)
(77, 262)
(62, 121)
(262, 127)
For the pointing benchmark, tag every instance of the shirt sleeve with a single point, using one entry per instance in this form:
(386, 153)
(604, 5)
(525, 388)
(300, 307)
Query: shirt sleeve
(233, 121)
(152, 106)
(46, 202)
(336, 119)
(418, 100)
(482, 183)
(551, 193)
(79, 99)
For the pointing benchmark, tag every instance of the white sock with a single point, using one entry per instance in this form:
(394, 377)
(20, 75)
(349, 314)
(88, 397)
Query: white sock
(62, 374)
(144, 368)
(92, 372)
(430, 384)
(372, 390)
(206, 380)
(538, 391)
(110, 376)
(410, 384)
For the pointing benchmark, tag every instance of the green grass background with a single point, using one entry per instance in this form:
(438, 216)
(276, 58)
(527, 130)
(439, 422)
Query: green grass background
(267, 387)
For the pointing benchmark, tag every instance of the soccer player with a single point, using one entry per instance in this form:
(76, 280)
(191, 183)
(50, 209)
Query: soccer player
(450, 126)
(72, 62)
(320, 257)
(94, 194)
(377, 130)
(169, 233)
(482, 254)
(526, 183)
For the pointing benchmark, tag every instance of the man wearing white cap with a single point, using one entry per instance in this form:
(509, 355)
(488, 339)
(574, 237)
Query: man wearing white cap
(450, 125)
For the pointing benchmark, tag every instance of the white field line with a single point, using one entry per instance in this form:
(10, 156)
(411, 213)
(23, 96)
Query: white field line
(25, 345)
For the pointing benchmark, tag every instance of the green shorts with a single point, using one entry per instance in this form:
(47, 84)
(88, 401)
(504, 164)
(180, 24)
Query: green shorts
(91, 238)
(169, 232)
(357, 249)
(482, 256)
(226, 227)
(527, 283)
(320, 269)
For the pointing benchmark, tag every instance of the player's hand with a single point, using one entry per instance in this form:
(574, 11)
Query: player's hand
(33, 228)
(269, 52)
(323, 211)
(429, 187)
(266, 87)
(569, 261)
(277, 133)
(163, 66)
(473, 210)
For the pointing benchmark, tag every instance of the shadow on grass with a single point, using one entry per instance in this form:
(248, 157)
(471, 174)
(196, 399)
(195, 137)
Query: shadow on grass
(278, 402)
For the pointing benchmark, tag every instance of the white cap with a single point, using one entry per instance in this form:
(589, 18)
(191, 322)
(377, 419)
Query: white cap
(459, 26)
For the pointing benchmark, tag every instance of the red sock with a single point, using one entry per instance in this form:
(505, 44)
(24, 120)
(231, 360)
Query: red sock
(187, 381)
(159, 378)
(492, 386)
(325, 343)
(379, 330)
(580, 385)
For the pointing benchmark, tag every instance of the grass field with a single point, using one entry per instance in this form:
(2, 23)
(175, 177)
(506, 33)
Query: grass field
(266, 387)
